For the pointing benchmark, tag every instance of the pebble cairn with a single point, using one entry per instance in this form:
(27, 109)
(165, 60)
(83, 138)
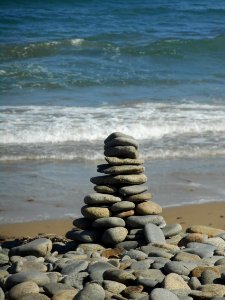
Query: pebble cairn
(120, 212)
(121, 249)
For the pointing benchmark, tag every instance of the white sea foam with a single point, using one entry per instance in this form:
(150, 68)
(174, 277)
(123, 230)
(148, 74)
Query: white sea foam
(164, 130)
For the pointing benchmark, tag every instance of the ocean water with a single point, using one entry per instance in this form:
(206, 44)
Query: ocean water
(72, 72)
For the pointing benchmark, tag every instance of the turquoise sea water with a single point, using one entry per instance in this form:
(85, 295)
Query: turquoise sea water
(72, 72)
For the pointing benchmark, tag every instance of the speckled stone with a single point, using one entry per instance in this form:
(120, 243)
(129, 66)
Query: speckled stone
(109, 222)
(114, 235)
(132, 190)
(105, 189)
(160, 294)
(38, 247)
(116, 170)
(139, 197)
(116, 161)
(124, 214)
(122, 206)
(174, 281)
(210, 231)
(92, 212)
(23, 288)
(119, 276)
(91, 291)
(148, 208)
(119, 179)
(98, 198)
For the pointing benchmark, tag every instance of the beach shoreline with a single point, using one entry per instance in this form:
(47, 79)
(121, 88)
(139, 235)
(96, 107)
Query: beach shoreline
(210, 214)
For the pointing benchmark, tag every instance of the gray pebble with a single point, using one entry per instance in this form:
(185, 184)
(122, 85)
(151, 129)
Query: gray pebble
(109, 222)
(122, 152)
(133, 190)
(75, 267)
(38, 247)
(97, 269)
(181, 268)
(91, 291)
(171, 230)
(122, 206)
(86, 235)
(153, 234)
(114, 235)
(140, 221)
(160, 294)
(136, 254)
(54, 287)
(37, 277)
(98, 198)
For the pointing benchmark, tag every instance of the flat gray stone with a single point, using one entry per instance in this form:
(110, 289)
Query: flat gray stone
(136, 254)
(108, 222)
(148, 283)
(153, 274)
(54, 287)
(114, 235)
(86, 236)
(122, 206)
(201, 252)
(179, 267)
(122, 152)
(116, 161)
(75, 279)
(127, 245)
(38, 247)
(121, 141)
(124, 169)
(171, 230)
(119, 179)
(153, 234)
(97, 269)
(105, 189)
(133, 190)
(98, 198)
(139, 197)
(119, 276)
(75, 267)
(142, 264)
(23, 288)
(82, 223)
(141, 221)
(91, 291)
(160, 294)
(39, 278)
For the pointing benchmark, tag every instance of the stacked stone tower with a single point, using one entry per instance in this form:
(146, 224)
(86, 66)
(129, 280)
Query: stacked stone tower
(120, 210)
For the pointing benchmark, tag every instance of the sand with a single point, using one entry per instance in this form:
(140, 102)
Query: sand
(212, 214)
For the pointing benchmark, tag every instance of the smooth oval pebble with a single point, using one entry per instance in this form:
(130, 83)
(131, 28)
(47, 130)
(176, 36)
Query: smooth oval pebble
(174, 281)
(121, 141)
(119, 276)
(34, 297)
(105, 189)
(92, 212)
(122, 152)
(140, 221)
(23, 288)
(86, 236)
(160, 294)
(65, 295)
(116, 161)
(91, 291)
(148, 208)
(125, 169)
(114, 235)
(171, 230)
(39, 278)
(116, 134)
(120, 179)
(153, 234)
(37, 247)
(122, 206)
(139, 197)
(82, 223)
(109, 222)
(133, 190)
(98, 198)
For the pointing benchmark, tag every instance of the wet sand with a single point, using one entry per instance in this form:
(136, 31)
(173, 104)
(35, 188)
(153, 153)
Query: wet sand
(212, 214)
